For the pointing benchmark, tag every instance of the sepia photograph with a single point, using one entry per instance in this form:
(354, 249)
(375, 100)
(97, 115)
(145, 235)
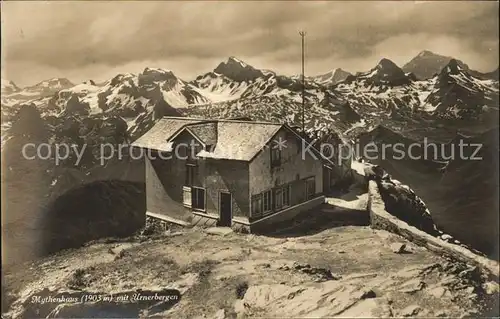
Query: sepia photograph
(250, 159)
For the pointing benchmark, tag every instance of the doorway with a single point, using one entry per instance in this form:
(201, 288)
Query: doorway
(225, 209)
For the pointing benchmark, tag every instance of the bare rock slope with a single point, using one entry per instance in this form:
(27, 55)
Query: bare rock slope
(345, 271)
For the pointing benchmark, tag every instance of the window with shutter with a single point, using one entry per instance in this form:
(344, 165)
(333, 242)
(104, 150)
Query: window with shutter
(186, 196)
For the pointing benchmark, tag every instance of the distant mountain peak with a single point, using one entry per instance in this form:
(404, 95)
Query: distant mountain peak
(427, 64)
(50, 85)
(7, 82)
(120, 77)
(459, 94)
(156, 70)
(426, 53)
(57, 80)
(158, 74)
(386, 64)
(232, 63)
(237, 70)
(233, 59)
(453, 67)
(385, 73)
(340, 72)
(9, 87)
(333, 77)
(453, 62)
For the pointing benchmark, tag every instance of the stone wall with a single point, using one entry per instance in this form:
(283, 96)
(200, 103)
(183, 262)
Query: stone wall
(381, 219)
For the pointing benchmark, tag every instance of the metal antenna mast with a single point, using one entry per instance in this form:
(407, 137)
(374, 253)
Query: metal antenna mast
(302, 35)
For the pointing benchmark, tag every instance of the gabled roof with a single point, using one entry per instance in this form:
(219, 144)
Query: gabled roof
(240, 140)
(158, 136)
(206, 132)
(226, 139)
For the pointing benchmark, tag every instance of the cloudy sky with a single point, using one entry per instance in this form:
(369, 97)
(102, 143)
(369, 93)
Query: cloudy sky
(96, 40)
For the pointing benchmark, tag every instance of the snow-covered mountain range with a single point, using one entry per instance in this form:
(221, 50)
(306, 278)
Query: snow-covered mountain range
(234, 88)
(424, 98)
(458, 94)
(428, 64)
(9, 87)
(12, 94)
(387, 91)
(332, 77)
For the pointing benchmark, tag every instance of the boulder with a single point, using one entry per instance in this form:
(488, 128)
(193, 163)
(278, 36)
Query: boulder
(410, 311)
(490, 287)
(373, 172)
(398, 248)
(368, 294)
(220, 314)
(446, 237)
(437, 292)
(412, 286)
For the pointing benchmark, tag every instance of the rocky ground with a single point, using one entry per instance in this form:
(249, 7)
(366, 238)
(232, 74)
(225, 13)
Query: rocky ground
(344, 271)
